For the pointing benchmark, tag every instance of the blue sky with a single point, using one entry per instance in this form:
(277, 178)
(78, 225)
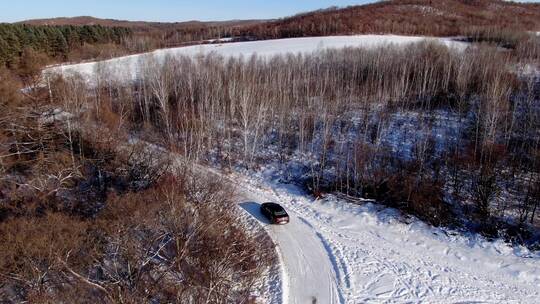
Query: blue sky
(162, 10)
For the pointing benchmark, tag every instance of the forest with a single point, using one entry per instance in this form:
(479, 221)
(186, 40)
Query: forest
(56, 42)
(100, 201)
(448, 136)
(426, 129)
(406, 17)
(86, 217)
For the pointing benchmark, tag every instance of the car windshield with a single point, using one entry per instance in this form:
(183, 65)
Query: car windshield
(280, 213)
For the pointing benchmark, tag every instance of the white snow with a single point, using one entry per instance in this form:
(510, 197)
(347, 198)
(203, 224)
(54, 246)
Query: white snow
(228, 39)
(55, 115)
(337, 252)
(334, 251)
(308, 273)
(270, 288)
(127, 68)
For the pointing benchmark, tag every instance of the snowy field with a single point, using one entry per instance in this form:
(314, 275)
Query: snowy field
(128, 67)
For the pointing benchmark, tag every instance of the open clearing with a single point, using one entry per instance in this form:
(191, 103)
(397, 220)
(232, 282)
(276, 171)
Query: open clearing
(127, 68)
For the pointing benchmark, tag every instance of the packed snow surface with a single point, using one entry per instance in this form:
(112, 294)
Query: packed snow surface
(129, 67)
(337, 252)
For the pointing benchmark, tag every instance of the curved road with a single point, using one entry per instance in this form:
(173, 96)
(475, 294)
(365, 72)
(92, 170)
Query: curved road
(310, 277)
(333, 253)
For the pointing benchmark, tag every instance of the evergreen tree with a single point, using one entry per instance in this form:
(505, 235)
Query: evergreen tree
(59, 44)
(55, 41)
(4, 56)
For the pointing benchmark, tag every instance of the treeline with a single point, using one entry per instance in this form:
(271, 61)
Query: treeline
(499, 22)
(408, 17)
(171, 36)
(362, 122)
(54, 41)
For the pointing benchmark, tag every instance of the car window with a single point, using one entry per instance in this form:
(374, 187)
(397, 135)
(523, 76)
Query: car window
(279, 213)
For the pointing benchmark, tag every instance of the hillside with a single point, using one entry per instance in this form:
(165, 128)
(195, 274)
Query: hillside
(118, 68)
(154, 35)
(85, 20)
(409, 17)
(478, 19)
(136, 25)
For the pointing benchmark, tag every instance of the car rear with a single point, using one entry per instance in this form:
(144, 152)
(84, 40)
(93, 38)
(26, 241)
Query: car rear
(275, 213)
(282, 220)
(280, 216)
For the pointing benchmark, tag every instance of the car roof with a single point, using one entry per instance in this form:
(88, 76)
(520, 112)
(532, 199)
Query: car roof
(273, 206)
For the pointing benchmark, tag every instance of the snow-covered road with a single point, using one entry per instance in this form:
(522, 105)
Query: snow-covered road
(309, 275)
(336, 252)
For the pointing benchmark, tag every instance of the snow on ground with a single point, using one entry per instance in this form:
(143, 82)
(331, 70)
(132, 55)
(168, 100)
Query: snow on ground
(270, 288)
(128, 67)
(335, 252)
(227, 39)
(305, 273)
(308, 273)
(338, 252)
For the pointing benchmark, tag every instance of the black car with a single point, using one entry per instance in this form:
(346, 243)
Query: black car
(275, 213)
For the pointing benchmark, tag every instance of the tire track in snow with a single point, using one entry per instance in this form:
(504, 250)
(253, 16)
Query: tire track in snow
(310, 276)
(399, 272)
(434, 277)
(338, 261)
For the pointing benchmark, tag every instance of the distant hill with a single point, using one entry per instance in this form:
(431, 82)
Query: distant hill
(138, 25)
(481, 20)
(410, 17)
(84, 20)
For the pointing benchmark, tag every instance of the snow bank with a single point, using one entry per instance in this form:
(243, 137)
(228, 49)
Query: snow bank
(127, 68)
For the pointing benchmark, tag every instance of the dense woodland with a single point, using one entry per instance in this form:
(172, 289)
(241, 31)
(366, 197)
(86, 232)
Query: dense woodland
(86, 217)
(408, 17)
(55, 42)
(426, 129)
